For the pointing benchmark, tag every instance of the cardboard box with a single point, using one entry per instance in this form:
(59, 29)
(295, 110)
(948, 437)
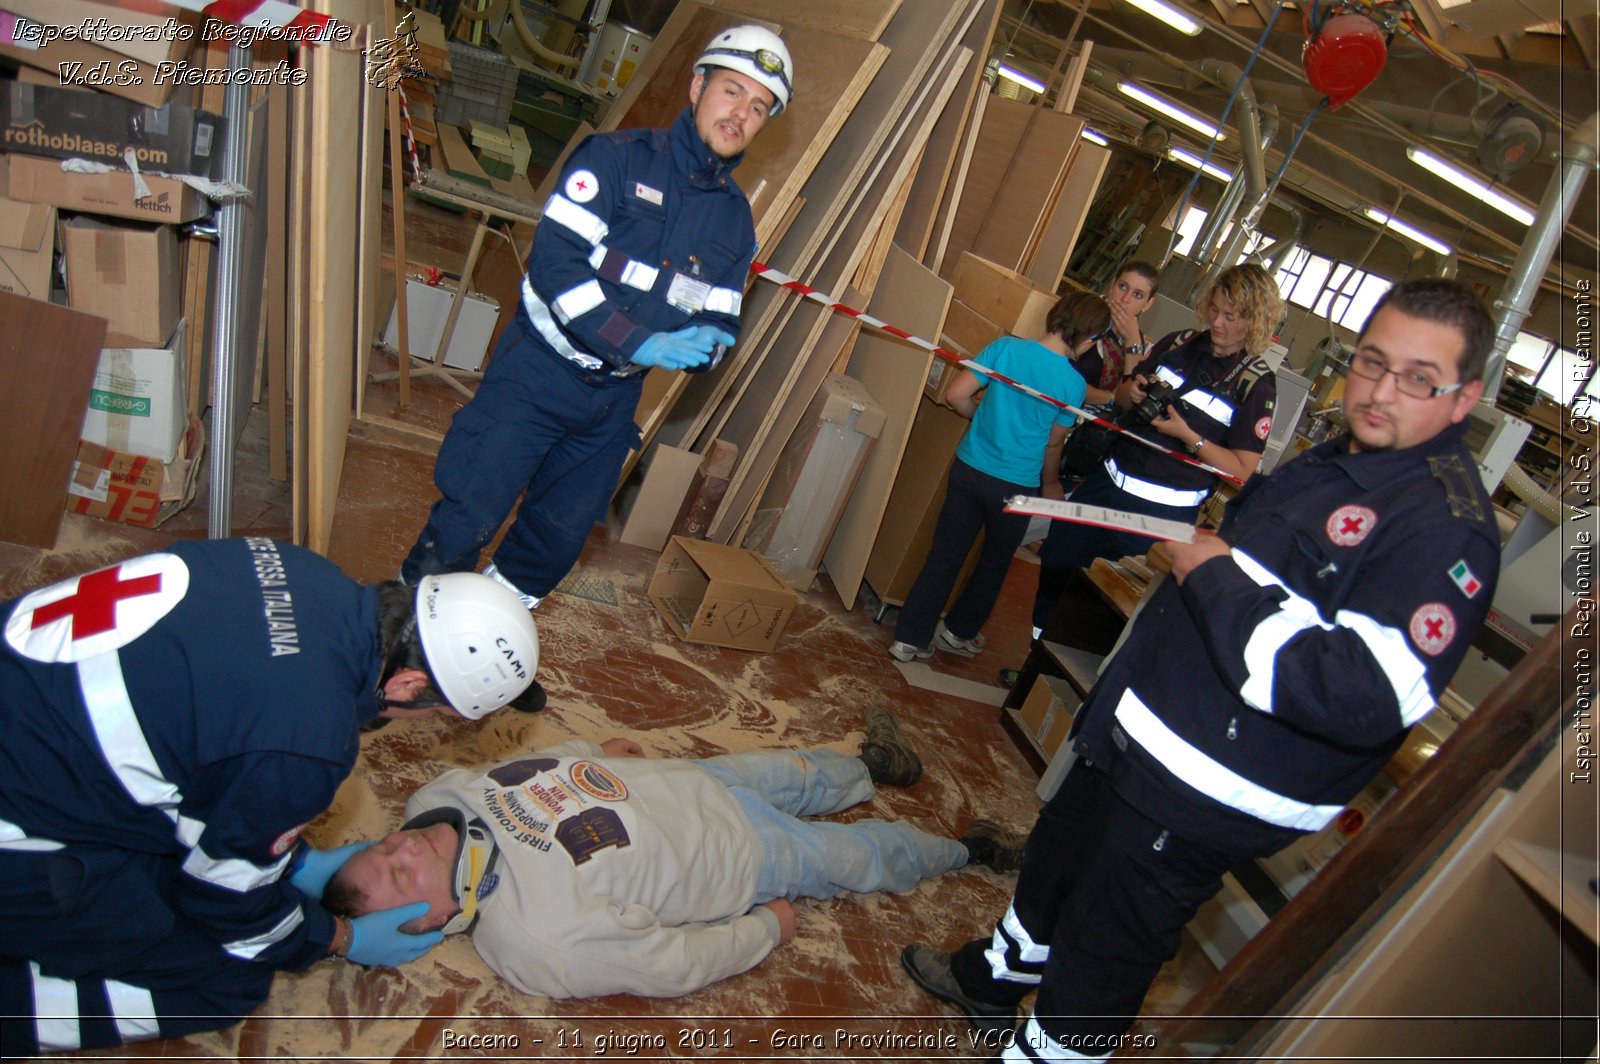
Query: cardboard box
(1007, 298)
(126, 274)
(427, 307)
(970, 330)
(151, 35)
(134, 488)
(813, 478)
(27, 243)
(725, 596)
(941, 373)
(35, 179)
(137, 401)
(1048, 711)
(133, 80)
(65, 123)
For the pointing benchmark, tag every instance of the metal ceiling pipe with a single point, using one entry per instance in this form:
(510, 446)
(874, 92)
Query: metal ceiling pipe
(1274, 253)
(1579, 152)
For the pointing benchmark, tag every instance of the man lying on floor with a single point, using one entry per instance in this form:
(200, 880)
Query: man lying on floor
(583, 871)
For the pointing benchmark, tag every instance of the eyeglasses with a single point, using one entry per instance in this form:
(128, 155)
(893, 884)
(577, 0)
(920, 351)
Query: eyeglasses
(1412, 383)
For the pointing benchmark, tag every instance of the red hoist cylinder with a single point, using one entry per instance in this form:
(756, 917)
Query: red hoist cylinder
(1345, 56)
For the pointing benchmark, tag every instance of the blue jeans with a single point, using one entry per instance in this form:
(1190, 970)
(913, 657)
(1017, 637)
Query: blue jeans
(817, 858)
(539, 426)
(974, 502)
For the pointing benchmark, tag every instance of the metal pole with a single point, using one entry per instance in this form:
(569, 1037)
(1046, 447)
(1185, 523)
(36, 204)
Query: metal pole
(231, 218)
(1578, 153)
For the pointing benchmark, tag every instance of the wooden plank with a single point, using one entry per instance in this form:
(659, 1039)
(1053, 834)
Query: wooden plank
(48, 355)
(915, 298)
(377, 110)
(943, 153)
(298, 285)
(847, 243)
(459, 161)
(853, 18)
(666, 482)
(1004, 122)
(866, 277)
(274, 293)
(199, 301)
(1068, 215)
(833, 342)
(337, 90)
(920, 34)
(1026, 191)
(950, 205)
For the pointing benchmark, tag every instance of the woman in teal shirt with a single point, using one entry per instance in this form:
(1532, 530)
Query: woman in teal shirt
(1012, 448)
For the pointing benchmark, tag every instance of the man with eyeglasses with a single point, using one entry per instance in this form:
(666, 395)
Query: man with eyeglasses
(1260, 689)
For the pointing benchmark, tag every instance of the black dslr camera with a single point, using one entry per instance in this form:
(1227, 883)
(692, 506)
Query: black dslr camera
(1158, 397)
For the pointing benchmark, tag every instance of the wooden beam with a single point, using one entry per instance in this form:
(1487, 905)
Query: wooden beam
(397, 207)
(50, 354)
(1322, 923)
(864, 19)
(894, 372)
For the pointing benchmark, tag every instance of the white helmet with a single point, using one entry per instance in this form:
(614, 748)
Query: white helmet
(476, 854)
(757, 53)
(480, 642)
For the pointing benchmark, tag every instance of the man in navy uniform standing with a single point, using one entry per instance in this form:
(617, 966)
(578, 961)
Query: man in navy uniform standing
(640, 261)
(1260, 689)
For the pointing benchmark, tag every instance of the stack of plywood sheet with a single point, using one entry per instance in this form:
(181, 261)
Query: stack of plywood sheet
(1026, 193)
(830, 182)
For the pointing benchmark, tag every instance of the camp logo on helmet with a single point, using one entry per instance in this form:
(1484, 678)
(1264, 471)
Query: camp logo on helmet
(769, 61)
(510, 655)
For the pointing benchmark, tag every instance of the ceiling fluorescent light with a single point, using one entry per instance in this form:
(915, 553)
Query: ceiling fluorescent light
(1094, 136)
(1410, 232)
(1194, 162)
(1168, 108)
(1168, 14)
(1020, 78)
(1470, 183)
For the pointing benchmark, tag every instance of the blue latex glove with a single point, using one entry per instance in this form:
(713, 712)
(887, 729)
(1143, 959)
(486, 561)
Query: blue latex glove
(376, 940)
(682, 349)
(315, 867)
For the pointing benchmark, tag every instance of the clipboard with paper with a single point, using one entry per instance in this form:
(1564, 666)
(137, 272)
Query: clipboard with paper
(1101, 516)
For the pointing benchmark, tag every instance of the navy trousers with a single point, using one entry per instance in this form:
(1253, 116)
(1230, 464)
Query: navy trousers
(540, 426)
(974, 502)
(1101, 903)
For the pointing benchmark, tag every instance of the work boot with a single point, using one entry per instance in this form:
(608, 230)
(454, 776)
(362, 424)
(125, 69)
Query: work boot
(930, 969)
(889, 760)
(992, 846)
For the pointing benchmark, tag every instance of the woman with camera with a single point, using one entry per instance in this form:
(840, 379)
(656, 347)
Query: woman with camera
(1207, 393)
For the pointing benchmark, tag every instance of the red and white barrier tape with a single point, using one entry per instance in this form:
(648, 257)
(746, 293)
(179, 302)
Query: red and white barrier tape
(274, 17)
(411, 137)
(783, 280)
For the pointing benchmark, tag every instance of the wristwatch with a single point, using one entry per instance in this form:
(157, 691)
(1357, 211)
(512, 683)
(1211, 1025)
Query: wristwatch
(1135, 349)
(1194, 448)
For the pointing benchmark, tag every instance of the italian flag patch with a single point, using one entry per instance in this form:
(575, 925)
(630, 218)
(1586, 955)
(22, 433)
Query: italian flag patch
(1469, 584)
